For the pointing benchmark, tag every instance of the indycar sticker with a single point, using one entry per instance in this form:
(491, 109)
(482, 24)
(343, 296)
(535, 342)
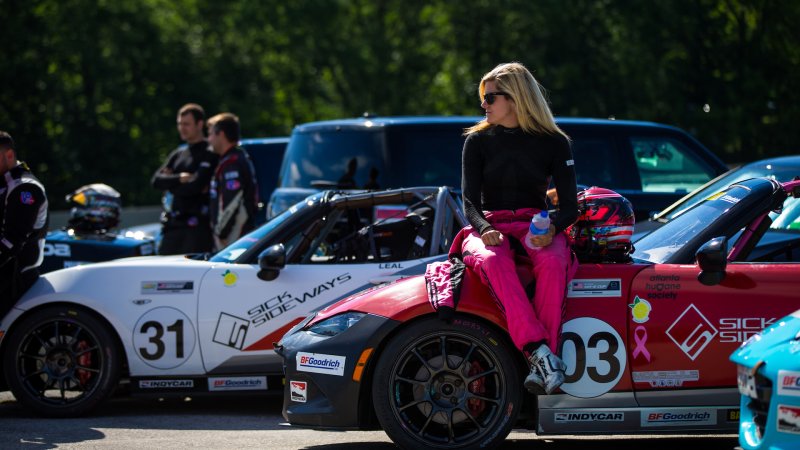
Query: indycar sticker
(166, 384)
(320, 363)
(595, 356)
(298, 391)
(590, 416)
(788, 419)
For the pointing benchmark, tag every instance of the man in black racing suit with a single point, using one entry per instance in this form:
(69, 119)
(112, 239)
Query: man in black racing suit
(234, 191)
(23, 225)
(185, 178)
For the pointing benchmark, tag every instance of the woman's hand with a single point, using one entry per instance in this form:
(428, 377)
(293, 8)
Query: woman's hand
(492, 237)
(543, 240)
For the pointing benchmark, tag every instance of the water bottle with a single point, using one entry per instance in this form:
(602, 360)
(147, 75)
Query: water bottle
(540, 224)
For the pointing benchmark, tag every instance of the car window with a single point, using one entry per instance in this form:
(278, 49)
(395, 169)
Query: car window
(789, 218)
(597, 163)
(384, 233)
(667, 165)
(330, 159)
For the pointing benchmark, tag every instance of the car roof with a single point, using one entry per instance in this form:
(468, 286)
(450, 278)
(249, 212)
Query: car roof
(783, 161)
(400, 121)
(263, 141)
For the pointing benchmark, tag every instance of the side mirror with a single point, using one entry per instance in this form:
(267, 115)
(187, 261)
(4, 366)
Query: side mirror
(712, 258)
(271, 261)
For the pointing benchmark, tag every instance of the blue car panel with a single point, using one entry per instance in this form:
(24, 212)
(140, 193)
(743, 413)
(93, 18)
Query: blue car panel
(768, 367)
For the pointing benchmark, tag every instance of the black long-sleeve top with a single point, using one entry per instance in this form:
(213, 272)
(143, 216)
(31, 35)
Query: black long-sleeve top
(507, 168)
(188, 199)
(23, 219)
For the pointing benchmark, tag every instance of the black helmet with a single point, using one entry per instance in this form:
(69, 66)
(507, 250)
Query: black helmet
(95, 208)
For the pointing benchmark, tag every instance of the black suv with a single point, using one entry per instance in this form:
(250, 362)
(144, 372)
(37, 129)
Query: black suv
(652, 165)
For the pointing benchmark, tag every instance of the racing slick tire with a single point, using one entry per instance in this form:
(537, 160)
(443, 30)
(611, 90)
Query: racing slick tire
(448, 386)
(61, 361)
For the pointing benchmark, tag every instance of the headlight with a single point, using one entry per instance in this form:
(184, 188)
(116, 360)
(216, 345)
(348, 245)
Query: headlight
(336, 324)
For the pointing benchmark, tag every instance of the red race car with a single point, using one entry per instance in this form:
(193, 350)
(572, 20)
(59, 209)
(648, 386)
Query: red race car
(646, 342)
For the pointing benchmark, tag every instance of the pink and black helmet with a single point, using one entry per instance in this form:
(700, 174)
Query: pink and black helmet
(604, 226)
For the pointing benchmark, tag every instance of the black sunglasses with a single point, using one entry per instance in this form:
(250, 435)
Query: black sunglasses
(490, 97)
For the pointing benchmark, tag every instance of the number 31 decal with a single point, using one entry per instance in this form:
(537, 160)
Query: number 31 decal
(164, 338)
(595, 357)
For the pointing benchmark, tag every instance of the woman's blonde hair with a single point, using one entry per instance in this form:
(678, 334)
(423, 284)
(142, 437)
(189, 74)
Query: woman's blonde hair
(533, 113)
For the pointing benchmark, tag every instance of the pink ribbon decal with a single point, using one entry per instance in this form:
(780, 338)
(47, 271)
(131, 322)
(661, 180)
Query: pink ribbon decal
(640, 339)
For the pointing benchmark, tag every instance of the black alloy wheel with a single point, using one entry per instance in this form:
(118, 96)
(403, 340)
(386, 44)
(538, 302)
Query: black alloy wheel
(61, 362)
(447, 386)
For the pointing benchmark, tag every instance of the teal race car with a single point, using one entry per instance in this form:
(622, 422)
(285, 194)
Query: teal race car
(768, 368)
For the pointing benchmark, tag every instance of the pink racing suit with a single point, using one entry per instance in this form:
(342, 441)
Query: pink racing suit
(553, 267)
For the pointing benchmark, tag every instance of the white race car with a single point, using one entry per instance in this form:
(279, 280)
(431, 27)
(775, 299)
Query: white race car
(175, 325)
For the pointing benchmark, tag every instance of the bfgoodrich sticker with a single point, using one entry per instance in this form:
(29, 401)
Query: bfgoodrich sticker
(320, 363)
(678, 417)
(237, 384)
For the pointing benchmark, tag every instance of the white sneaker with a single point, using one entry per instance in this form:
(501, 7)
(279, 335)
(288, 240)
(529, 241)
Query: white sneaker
(547, 371)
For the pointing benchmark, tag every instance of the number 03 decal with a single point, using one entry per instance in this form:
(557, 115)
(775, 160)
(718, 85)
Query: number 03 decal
(164, 338)
(595, 357)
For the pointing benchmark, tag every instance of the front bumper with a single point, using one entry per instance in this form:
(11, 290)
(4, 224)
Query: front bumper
(320, 390)
(770, 406)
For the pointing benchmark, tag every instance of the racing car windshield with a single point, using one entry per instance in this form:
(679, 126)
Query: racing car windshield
(230, 253)
(660, 245)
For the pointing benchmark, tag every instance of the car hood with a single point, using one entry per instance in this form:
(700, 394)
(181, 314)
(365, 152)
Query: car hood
(782, 336)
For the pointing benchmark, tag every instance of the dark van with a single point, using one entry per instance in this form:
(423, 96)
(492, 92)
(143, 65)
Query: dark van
(653, 165)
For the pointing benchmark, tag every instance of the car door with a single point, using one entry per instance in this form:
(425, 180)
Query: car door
(241, 315)
(682, 332)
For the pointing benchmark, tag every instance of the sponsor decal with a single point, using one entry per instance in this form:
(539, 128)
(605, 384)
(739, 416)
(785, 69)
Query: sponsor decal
(595, 356)
(613, 416)
(320, 363)
(279, 304)
(691, 332)
(570, 162)
(600, 287)
(788, 419)
(232, 174)
(232, 185)
(231, 331)
(166, 384)
(167, 287)
(26, 198)
(60, 250)
(237, 384)
(640, 339)
(678, 417)
(666, 378)
(391, 265)
(789, 383)
(141, 301)
(662, 287)
(229, 278)
(740, 329)
(298, 391)
(732, 415)
(730, 199)
(146, 249)
(640, 310)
